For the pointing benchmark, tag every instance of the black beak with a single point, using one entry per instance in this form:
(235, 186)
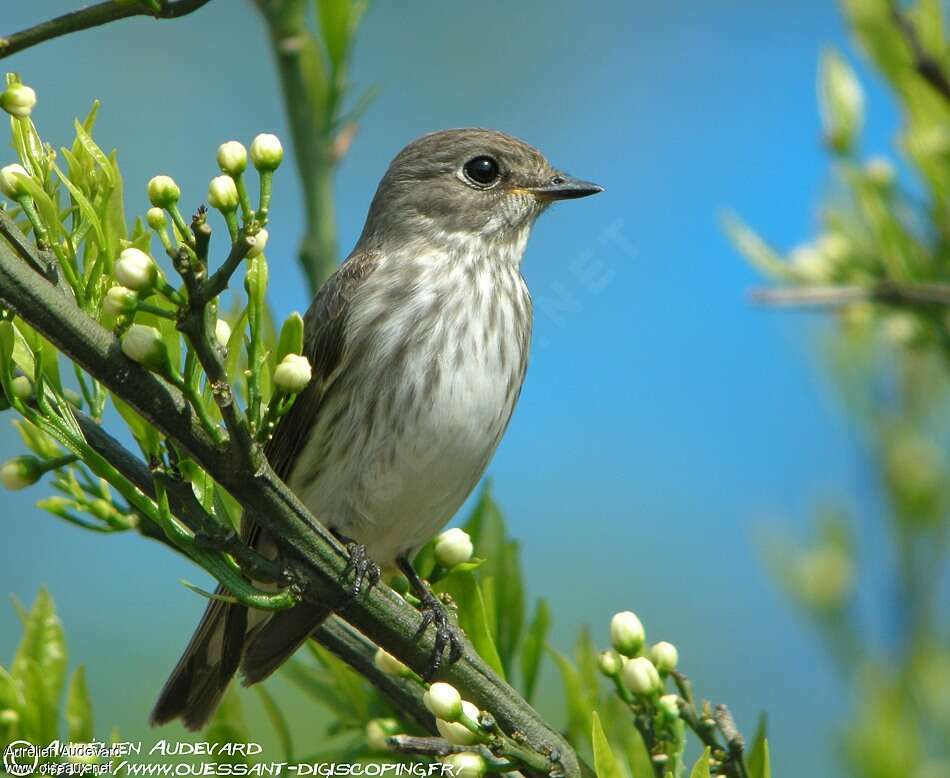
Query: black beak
(565, 187)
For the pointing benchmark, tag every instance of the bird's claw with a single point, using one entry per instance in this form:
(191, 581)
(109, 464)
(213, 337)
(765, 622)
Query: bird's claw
(446, 634)
(364, 570)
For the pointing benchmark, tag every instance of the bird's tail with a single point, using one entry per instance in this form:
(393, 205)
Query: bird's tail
(220, 645)
(207, 665)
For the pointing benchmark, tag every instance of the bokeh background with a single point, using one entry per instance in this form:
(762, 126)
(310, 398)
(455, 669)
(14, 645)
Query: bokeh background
(665, 419)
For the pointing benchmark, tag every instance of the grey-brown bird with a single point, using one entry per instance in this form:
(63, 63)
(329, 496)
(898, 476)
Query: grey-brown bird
(419, 345)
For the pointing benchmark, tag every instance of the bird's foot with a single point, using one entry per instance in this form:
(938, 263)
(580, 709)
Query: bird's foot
(363, 569)
(446, 634)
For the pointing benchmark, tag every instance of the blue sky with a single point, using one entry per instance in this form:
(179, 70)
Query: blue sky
(664, 418)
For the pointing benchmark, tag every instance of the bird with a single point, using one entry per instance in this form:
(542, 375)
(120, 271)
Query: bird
(419, 345)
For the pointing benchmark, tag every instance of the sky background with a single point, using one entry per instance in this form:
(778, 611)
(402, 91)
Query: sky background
(664, 421)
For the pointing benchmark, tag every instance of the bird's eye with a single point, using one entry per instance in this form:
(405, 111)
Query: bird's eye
(481, 171)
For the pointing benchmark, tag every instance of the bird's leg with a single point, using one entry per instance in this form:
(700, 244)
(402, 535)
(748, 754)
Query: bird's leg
(359, 564)
(433, 612)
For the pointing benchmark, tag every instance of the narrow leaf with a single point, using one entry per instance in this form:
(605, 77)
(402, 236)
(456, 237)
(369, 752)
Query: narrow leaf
(533, 647)
(605, 763)
(79, 708)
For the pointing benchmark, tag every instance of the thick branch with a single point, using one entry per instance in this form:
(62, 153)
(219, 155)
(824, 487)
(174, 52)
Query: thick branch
(313, 556)
(93, 16)
(889, 292)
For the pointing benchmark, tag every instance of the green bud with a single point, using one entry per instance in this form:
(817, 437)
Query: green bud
(443, 701)
(609, 663)
(453, 547)
(266, 152)
(144, 345)
(163, 192)
(11, 186)
(291, 336)
(668, 707)
(232, 158)
(466, 765)
(664, 656)
(879, 172)
(840, 101)
(458, 734)
(20, 472)
(18, 100)
(120, 300)
(640, 676)
(626, 633)
(223, 194)
(378, 731)
(22, 387)
(156, 219)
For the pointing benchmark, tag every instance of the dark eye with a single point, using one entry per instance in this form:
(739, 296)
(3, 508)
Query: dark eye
(482, 171)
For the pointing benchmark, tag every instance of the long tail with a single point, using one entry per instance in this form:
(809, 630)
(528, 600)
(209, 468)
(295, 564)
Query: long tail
(199, 680)
(220, 645)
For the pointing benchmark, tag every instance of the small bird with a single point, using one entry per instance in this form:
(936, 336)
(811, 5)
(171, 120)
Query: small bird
(419, 346)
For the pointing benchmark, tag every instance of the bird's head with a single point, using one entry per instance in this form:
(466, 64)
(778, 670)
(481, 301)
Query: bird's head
(465, 184)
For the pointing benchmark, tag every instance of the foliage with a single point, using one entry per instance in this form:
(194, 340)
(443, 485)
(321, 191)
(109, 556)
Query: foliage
(881, 259)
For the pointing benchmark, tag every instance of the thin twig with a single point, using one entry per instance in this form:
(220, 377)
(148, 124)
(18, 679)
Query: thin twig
(925, 63)
(735, 743)
(889, 292)
(93, 16)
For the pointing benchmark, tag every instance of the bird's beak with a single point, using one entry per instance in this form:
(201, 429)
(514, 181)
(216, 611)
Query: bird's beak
(564, 187)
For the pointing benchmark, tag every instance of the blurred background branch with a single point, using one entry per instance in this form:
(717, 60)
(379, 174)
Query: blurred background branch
(93, 16)
(312, 70)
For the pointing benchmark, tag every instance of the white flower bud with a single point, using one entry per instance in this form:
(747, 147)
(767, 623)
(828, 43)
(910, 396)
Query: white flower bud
(9, 718)
(266, 152)
(10, 185)
(387, 663)
(453, 547)
(668, 706)
(222, 193)
(156, 219)
(260, 241)
(378, 730)
(456, 733)
(232, 158)
(163, 192)
(135, 269)
(609, 663)
(119, 300)
(22, 387)
(664, 656)
(222, 332)
(466, 765)
(640, 676)
(144, 345)
(20, 472)
(879, 171)
(18, 100)
(443, 701)
(293, 374)
(841, 101)
(626, 633)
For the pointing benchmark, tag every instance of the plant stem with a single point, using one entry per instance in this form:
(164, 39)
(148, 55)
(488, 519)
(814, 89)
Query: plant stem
(93, 16)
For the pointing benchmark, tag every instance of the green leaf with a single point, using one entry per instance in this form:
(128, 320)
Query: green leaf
(90, 147)
(277, 720)
(587, 670)
(578, 711)
(701, 768)
(533, 647)
(463, 588)
(755, 753)
(605, 763)
(42, 650)
(85, 207)
(291, 336)
(755, 250)
(38, 716)
(338, 21)
(79, 708)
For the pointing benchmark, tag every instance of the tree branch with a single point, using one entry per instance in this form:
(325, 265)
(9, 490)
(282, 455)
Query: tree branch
(313, 557)
(890, 292)
(93, 16)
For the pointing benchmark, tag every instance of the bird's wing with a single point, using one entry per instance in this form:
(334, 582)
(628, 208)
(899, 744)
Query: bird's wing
(324, 345)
